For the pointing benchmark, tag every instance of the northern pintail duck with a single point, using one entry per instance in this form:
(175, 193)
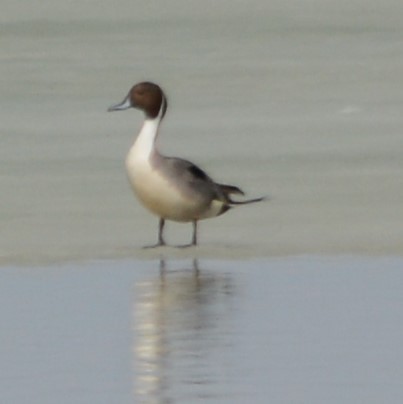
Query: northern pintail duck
(170, 187)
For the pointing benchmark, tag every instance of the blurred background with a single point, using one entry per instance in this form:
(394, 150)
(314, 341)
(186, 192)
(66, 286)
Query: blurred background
(297, 100)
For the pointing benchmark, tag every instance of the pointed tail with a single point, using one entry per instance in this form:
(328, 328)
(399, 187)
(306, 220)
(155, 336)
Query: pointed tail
(232, 190)
(263, 198)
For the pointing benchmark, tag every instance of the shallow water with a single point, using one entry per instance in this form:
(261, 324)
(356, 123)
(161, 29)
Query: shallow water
(300, 101)
(297, 330)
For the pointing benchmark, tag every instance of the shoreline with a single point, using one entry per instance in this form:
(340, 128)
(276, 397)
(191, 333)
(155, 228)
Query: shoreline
(223, 254)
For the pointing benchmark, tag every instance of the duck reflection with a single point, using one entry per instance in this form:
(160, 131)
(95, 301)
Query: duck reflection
(181, 320)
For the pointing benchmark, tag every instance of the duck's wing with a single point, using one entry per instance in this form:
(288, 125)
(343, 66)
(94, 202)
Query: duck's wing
(192, 179)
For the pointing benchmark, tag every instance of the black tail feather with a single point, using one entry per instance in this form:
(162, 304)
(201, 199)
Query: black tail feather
(228, 190)
(232, 202)
(231, 189)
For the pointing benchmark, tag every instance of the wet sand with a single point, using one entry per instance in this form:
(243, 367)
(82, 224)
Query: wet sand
(302, 104)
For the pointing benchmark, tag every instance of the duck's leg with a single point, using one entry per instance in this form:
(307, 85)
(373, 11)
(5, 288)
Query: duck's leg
(161, 225)
(194, 236)
(161, 240)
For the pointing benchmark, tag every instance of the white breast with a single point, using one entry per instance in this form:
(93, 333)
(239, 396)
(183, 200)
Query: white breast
(153, 189)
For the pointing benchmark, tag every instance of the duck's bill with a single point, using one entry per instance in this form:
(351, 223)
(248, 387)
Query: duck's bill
(125, 104)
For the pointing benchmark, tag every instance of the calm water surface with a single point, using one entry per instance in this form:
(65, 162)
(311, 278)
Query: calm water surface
(297, 330)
